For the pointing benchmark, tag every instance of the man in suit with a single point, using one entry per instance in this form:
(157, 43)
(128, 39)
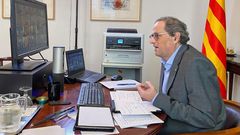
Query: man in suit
(189, 92)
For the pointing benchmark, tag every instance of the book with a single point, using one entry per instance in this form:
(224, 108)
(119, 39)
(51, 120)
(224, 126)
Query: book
(94, 118)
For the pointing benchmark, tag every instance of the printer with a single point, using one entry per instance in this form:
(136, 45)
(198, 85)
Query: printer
(123, 48)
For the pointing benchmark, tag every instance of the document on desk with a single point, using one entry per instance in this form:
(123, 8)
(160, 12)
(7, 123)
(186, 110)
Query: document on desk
(138, 120)
(130, 103)
(125, 96)
(54, 130)
(94, 118)
(29, 111)
(122, 84)
(148, 105)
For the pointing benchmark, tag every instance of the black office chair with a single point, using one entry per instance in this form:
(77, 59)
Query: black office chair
(232, 126)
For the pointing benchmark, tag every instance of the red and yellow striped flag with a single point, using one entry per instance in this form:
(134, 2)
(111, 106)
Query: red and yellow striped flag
(214, 40)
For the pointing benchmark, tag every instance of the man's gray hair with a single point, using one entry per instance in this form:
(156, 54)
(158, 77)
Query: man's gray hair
(173, 25)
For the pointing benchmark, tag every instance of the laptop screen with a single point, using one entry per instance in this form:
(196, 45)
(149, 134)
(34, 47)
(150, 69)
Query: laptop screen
(75, 61)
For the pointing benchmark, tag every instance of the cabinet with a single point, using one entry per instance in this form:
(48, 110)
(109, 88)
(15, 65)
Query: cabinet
(11, 81)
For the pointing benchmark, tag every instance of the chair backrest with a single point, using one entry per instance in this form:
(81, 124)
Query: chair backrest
(232, 125)
(233, 114)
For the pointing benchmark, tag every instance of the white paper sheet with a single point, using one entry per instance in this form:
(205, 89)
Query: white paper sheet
(148, 105)
(132, 108)
(122, 84)
(130, 103)
(53, 130)
(125, 96)
(133, 121)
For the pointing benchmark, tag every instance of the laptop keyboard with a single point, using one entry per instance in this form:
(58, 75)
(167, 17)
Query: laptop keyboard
(94, 78)
(85, 75)
(91, 94)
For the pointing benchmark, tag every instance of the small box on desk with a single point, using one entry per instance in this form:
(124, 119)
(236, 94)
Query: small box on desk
(11, 81)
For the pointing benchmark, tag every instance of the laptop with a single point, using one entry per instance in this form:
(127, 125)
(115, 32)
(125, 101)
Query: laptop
(76, 67)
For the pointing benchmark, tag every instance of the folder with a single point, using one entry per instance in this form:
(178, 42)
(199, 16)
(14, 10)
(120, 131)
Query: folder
(94, 118)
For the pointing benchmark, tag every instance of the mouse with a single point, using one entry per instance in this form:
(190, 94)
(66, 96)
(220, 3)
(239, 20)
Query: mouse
(116, 77)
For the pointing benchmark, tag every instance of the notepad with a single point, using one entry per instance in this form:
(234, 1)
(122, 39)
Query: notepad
(94, 118)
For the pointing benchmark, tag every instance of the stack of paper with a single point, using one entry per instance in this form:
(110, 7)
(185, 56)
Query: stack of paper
(134, 111)
(130, 103)
(127, 121)
(122, 84)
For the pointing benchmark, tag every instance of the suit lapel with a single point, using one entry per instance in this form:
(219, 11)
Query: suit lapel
(175, 66)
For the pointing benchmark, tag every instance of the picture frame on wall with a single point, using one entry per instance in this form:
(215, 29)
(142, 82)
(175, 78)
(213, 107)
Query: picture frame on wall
(115, 10)
(6, 9)
(50, 8)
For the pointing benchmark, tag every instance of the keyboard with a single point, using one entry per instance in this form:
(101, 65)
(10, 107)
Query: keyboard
(91, 94)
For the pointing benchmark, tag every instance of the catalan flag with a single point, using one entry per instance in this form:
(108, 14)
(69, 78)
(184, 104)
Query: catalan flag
(214, 40)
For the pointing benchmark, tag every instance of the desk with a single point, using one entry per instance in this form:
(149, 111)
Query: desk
(71, 92)
(233, 66)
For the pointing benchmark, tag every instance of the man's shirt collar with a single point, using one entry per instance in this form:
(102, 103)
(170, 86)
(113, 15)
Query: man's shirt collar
(168, 64)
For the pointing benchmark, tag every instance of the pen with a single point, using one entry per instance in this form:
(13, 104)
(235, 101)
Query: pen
(60, 117)
(54, 115)
(50, 79)
(126, 84)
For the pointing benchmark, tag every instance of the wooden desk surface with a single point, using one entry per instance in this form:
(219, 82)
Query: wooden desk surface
(71, 92)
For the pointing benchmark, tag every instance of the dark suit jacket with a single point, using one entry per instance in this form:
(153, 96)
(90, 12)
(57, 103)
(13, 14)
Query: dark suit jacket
(193, 102)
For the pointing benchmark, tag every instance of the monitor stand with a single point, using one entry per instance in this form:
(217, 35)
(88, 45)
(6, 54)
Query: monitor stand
(25, 66)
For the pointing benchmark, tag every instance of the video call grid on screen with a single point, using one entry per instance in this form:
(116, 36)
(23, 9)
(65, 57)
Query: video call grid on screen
(31, 27)
(76, 62)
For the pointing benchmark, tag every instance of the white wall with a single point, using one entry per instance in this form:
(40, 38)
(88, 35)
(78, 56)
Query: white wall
(233, 40)
(90, 34)
(194, 15)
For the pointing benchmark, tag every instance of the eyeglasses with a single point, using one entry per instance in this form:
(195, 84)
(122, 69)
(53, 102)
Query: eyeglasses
(157, 35)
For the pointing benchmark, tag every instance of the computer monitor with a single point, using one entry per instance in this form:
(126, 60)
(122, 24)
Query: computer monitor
(28, 32)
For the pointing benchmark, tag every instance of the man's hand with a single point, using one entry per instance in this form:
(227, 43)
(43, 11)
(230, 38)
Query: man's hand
(146, 90)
